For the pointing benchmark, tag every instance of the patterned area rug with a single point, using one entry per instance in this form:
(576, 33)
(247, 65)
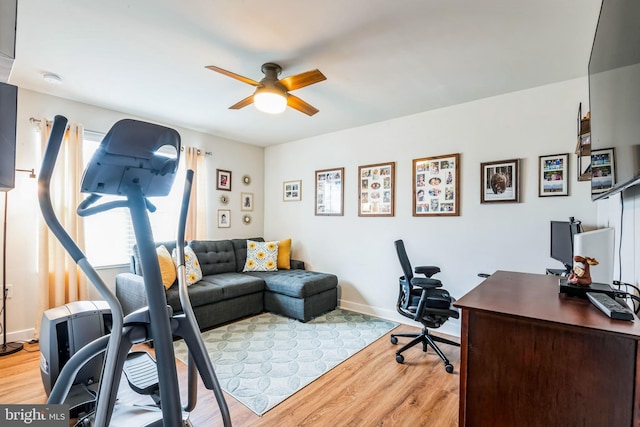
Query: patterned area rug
(263, 360)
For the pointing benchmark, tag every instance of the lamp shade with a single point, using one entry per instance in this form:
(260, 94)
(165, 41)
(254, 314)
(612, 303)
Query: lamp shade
(270, 101)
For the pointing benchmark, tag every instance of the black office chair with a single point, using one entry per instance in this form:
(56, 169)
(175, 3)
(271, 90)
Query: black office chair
(423, 300)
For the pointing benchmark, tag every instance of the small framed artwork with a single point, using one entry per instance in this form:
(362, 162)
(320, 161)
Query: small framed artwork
(376, 187)
(224, 218)
(292, 191)
(603, 170)
(500, 181)
(553, 175)
(246, 201)
(330, 192)
(223, 180)
(436, 186)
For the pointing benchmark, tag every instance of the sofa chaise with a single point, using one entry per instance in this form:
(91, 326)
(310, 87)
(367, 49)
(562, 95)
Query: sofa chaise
(226, 292)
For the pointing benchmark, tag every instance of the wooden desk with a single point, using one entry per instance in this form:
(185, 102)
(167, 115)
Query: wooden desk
(531, 357)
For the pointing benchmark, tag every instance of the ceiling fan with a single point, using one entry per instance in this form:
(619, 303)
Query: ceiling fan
(272, 94)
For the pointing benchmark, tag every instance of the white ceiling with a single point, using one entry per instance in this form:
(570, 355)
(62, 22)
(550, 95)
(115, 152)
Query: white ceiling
(383, 58)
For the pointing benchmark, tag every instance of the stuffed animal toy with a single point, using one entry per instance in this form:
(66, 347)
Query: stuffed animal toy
(580, 274)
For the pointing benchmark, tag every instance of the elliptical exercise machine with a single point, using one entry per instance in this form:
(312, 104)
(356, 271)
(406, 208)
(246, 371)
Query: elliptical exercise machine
(128, 163)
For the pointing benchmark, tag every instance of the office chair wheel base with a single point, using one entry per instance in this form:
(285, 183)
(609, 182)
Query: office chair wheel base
(394, 340)
(399, 358)
(449, 368)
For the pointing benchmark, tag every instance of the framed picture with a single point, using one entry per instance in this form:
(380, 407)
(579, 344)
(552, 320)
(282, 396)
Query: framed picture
(223, 180)
(553, 175)
(246, 201)
(376, 187)
(603, 170)
(436, 186)
(330, 192)
(224, 218)
(292, 191)
(500, 181)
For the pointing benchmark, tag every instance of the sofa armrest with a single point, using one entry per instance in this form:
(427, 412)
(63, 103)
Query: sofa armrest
(130, 292)
(297, 264)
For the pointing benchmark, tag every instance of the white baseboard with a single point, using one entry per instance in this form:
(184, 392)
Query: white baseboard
(452, 327)
(25, 335)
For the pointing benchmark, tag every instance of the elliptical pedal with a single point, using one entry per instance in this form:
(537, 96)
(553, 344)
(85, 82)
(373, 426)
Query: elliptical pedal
(142, 373)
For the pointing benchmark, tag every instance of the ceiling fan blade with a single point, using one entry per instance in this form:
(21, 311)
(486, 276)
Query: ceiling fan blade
(300, 105)
(233, 75)
(241, 104)
(302, 79)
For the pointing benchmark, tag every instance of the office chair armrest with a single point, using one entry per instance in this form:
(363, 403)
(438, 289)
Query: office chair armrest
(426, 283)
(427, 270)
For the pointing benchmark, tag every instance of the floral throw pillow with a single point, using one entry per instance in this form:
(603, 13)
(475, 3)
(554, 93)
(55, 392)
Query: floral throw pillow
(191, 265)
(261, 256)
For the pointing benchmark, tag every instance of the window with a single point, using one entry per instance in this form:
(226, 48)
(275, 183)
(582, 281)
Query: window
(109, 235)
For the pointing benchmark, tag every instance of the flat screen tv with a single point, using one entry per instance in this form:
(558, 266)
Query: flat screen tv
(614, 98)
(562, 233)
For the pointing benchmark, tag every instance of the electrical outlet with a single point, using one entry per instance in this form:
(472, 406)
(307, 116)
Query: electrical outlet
(9, 291)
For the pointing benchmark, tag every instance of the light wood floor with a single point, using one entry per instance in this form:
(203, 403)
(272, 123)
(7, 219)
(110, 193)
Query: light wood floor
(368, 389)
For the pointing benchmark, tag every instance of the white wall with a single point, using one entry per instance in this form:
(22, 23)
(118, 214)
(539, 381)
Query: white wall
(484, 238)
(24, 212)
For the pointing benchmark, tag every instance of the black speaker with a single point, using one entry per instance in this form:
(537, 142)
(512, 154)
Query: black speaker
(8, 117)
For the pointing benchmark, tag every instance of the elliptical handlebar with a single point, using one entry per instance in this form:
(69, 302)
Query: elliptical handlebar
(184, 210)
(85, 208)
(51, 152)
(197, 360)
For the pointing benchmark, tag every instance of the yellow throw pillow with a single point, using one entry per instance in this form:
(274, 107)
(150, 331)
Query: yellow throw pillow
(167, 267)
(261, 256)
(284, 254)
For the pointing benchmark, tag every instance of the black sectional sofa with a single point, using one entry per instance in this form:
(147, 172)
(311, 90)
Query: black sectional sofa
(226, 293)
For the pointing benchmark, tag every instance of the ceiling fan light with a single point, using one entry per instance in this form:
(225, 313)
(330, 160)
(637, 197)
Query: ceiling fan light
(269, 102)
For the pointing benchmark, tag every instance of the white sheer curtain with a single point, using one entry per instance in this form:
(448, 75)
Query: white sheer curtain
(196, 219)
(59, 279)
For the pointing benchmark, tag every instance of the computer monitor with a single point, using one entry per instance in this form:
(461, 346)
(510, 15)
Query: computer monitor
(562, 233)
(598, 244)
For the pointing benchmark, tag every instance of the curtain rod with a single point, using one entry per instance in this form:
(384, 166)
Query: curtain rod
(34, 121)
(206, 153)
(37, 121)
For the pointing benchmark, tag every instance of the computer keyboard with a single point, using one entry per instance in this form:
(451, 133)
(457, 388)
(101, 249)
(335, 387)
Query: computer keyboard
(609, 306)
